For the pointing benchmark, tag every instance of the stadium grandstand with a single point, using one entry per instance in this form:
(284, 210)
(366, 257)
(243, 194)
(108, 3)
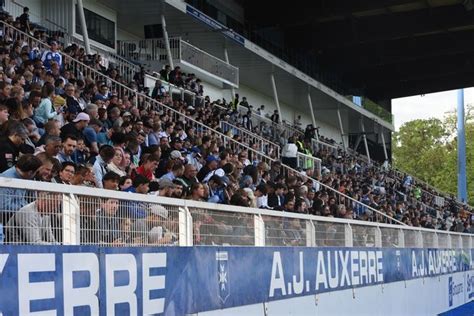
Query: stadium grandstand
(128, 126)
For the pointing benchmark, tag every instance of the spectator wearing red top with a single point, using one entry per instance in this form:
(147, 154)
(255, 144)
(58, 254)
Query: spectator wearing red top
(148, 167)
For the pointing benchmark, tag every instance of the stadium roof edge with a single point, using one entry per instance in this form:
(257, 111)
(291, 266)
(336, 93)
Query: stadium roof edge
(277, 62)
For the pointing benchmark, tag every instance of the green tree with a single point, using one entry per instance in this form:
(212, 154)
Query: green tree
(427, 149)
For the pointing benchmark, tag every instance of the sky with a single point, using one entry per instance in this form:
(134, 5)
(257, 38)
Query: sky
(433, 105)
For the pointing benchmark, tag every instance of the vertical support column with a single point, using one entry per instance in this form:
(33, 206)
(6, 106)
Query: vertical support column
(364, 138)
(167, 41)
(85, 34)
(310, 103)
(462, 184)
(226, 56)
(341, 127)
(275, 95)
(384, 145)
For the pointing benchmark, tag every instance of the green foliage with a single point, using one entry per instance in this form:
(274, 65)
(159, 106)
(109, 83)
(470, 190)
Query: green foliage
(427, 149)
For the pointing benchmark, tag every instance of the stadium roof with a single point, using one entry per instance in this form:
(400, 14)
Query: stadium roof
(380, 48)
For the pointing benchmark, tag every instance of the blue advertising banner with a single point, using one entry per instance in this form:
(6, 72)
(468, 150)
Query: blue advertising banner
(214, 24)
(90, 280)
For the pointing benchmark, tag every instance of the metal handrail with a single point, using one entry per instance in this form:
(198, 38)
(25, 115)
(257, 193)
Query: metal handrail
(304, 161)
(154, 50)
(265, 145)
(126, 68)
(226, 140)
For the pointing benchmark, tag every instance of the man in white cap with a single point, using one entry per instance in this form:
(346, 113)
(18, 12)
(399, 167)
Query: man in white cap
(152, 229)
(76, 127)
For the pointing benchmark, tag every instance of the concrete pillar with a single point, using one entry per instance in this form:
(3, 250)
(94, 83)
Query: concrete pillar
(341, 127)
(85, 34)
(275, 95)
(364, 138)
(167, 41)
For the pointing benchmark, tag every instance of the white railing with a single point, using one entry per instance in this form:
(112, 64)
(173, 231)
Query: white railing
(182, 52)
(124, 67)
(317, 146)
(174, 91)
(258, 142)
(74, 215)
(149, 50)
(199, 58)
(309, 163)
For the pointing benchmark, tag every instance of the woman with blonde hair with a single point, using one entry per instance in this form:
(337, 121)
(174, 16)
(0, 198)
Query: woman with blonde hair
(117, 164)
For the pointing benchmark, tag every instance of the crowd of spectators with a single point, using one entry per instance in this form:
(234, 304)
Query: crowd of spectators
(59, 125)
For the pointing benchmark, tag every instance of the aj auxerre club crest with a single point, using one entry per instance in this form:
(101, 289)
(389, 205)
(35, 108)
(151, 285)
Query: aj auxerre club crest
(222, 258)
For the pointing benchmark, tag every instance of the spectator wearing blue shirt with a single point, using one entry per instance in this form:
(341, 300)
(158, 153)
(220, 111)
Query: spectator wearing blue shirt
(90, 134)
(11, 199)
(45, 111)
(52, 55)
(216, 190)
(106, 154)
(108, 225)
(133, 209)
(81, 154)
(69, 145)
(177, 170)
(105, 138)
(103, 94)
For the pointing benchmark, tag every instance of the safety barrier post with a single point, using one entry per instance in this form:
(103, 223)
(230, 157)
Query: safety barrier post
(348, 238)
(401, 238)
(185, 227)
(310, 234)
(259, 225)
(71, 220)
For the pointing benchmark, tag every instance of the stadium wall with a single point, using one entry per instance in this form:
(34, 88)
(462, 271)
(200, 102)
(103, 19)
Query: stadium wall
(68, 280)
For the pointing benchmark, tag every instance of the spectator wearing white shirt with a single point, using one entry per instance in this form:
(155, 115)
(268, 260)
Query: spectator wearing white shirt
(289, 153)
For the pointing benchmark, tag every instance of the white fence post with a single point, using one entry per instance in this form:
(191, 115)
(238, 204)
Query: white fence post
(259, 225)
(401, 238)
(310, 234)
(71, 220)
(419, 239)
(348, 238)
(185, 227)
(435, 241)
(378, 237)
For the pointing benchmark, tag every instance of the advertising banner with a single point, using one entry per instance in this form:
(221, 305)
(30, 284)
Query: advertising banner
(91, 280)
